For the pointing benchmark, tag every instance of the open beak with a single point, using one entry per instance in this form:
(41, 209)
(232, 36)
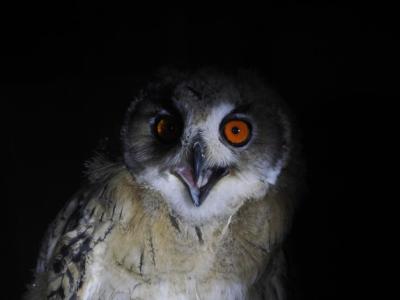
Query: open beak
(198, 179)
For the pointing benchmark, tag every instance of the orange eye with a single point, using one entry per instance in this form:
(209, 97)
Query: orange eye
(167, 129)
(237, 132)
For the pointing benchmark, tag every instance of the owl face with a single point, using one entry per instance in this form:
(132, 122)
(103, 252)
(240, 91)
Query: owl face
(206, 141)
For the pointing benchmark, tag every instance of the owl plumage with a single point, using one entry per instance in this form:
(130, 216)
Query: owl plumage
(196, 208)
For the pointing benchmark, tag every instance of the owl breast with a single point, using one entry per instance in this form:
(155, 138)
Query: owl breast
(159, 257)
(154, 275)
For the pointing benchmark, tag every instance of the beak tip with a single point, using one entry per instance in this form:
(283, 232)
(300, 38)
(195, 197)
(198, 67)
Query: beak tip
(195, 198)
(196, 204)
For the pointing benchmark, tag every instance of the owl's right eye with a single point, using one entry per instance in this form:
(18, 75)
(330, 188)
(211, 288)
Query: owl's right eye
(167, 129)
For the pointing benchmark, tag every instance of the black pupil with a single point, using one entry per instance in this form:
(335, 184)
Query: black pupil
(170, 128)
(235, 130)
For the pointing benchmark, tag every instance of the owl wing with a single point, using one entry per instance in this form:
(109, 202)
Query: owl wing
(83, 223)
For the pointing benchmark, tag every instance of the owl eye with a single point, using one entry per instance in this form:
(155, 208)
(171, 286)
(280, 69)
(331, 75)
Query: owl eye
(237, 132)
(167, 129)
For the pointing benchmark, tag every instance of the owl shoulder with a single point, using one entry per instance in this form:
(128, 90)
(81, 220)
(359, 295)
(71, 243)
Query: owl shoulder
(83, 223)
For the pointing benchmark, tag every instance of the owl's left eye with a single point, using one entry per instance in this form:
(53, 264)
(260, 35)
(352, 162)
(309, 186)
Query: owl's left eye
(167, 129)
(236, 131)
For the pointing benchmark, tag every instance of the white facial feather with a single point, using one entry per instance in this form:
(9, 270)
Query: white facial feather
(223, 200)
(273, 173)
(217, 153)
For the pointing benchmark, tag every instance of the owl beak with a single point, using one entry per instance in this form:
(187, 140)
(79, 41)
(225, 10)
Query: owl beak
(198, 163)
(197, 178)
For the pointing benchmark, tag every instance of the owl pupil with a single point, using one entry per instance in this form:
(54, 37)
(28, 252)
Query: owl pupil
(235, 130)
(171, 128)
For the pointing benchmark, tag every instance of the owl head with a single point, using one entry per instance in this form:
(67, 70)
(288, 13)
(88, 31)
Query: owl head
(206, 141)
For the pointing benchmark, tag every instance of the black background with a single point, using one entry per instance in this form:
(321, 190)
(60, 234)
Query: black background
(69, 70)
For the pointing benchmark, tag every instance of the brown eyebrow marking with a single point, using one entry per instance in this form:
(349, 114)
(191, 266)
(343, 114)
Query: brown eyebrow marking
(197, 93)
(241, 109)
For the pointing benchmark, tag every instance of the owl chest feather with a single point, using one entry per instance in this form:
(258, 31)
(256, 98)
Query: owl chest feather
(157, 256)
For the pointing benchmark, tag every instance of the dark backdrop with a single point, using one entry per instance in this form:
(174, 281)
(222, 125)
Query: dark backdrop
(69, 70)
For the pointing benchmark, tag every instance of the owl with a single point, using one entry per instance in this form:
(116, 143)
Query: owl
(196, 206)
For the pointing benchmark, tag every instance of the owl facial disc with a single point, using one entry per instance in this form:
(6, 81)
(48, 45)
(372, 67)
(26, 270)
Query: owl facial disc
(199, 179)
